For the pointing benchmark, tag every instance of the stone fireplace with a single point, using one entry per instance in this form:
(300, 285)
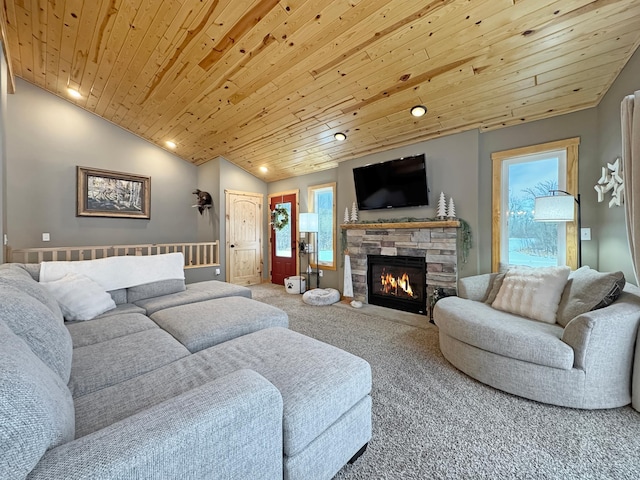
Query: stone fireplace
(436, 243)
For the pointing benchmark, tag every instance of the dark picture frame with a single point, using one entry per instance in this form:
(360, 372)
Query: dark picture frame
(103, 193)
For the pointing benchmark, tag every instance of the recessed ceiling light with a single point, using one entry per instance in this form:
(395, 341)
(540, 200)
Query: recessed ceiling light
(264, 169)
(418, 110)
(340, 136)
(74, 93)
(170, 144)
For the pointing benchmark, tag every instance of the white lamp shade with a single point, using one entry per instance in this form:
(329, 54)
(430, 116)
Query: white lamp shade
(308, 222)
(555, 208)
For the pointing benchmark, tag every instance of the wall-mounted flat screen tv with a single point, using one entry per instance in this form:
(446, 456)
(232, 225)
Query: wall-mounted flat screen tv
(392, 184)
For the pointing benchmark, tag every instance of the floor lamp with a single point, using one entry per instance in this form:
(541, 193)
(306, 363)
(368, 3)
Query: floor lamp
(559, 208)
(309, 224)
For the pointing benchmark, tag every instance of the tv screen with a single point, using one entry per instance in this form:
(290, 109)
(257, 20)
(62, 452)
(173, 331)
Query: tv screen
(393, 184)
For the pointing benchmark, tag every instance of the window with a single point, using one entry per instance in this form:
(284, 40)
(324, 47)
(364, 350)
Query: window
(519, 176)
(322, 200)
(283, 236)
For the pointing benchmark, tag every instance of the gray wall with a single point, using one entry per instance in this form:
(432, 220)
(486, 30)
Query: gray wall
(3, 147)
(49, 136)
(600, 142)
(208, 224)
(580, 124)
(330, 277)
(460, 165)
(46, 138)
(223, 175)
(452, 168)
(613, 247)
(209, 221)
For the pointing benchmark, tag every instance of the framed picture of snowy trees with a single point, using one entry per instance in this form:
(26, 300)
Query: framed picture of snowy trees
(102, 193)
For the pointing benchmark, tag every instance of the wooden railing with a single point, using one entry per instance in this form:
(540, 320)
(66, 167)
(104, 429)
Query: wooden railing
(196, 255)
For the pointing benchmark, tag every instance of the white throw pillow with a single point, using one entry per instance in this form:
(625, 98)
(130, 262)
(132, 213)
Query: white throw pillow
(532, 292)
(79, 297)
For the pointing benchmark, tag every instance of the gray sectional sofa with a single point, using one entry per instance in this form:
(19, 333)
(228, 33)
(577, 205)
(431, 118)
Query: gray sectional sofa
(584, 359)
(193, 382)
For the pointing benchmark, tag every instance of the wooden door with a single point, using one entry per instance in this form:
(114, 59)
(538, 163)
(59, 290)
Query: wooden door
(244, 237)
(283, 243)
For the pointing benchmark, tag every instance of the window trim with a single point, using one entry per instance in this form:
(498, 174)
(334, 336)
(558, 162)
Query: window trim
(311, 198)
(570, 145)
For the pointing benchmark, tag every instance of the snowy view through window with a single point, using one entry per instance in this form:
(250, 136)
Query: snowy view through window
(283, 236)
(531, 243)
(324, 208)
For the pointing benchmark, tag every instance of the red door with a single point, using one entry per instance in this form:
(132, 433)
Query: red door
(284, 247)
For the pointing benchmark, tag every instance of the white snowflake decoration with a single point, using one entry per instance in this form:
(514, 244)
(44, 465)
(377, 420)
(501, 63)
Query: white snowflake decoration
(611, 180)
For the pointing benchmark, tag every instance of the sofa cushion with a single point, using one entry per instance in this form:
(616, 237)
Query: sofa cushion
(532, 292)
(155, 289)
(588, 289)
(35, 407)
(109, 405)
(476, 287)
(107, 363)
(119, 295)
(45, 334)
(195, 292)
(509, 335)
(203, 324)
(19, 278)
(79, 297)
(13, 268)
(319, 383)
(120, 309)
(108, 328)
(496, 283)
(31, 269)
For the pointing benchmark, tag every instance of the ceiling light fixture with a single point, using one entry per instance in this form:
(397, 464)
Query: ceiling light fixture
(74, 93)
(418, 110)
(264, 169)
(341, 137)
(170, 144)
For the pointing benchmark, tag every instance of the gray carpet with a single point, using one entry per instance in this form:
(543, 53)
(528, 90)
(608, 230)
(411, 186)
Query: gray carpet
(431, 421)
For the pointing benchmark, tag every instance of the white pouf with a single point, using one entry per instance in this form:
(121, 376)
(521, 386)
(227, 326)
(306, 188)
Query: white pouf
(321, 296)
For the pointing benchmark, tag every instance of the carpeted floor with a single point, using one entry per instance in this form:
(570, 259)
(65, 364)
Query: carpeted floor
(431, 421)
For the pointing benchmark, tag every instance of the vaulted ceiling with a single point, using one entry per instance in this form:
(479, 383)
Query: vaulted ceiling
(268, 83)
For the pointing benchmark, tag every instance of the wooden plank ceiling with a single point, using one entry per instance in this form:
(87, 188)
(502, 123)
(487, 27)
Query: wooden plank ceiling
(268, 83)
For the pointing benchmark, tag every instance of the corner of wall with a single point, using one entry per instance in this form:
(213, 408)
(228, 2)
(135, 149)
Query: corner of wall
(613, 247)
(3, 150)
(220, 175)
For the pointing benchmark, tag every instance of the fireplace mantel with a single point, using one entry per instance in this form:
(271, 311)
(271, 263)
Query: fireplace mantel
(395, 225)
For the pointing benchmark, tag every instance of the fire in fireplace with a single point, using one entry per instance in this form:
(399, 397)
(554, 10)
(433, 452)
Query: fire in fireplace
(397, 282)
(398, 286)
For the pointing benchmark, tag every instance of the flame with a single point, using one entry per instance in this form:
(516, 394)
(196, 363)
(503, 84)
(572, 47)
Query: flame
(393, 285)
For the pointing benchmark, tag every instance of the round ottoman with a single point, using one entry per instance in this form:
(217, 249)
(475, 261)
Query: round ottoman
(321, 296)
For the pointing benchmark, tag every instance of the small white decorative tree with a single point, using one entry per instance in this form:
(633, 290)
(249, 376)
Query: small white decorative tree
(451, 211)
(442, 206)
(354, 212)
(346, 214)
